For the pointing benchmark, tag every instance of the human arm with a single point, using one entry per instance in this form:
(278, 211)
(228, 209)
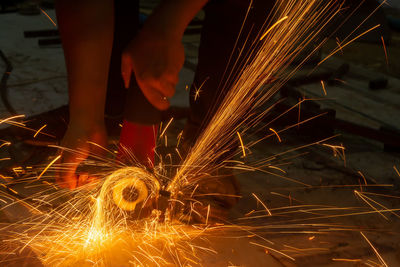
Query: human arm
(156, 55)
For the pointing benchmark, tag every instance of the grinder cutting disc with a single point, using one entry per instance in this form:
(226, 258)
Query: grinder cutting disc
(133, 190)
(129, 192)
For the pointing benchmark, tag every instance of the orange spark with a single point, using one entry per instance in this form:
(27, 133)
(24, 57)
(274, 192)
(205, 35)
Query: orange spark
(48, 166)
(197, 94)
(52, 21)
(273, 26)
(12, 190)
(346, 44)
(299, 113)
(6, 177)
(249, 213)
(10, 119)
(375, 250)
(339, 46)
(241, 144)
(262, 203)
(38, 131)
(385, 50)
(50, 184)
(276, 168)
(337, 151)
(178, 138)
(178, 153)
(369, 204)
(397, 171)
(365, 198)
(166, 127)
(5, 144)
(362, 175)
(323, 87)
(277, 135)
(198, 90)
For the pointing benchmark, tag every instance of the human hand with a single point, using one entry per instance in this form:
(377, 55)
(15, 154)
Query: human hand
(77, 141)
(156, 60)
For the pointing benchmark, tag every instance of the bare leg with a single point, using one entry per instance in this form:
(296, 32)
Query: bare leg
(86, 28)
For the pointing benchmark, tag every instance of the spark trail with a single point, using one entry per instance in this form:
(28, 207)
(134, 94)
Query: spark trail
(296, 25)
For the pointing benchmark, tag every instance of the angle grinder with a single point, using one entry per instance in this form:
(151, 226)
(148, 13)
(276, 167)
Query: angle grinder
(136, 192)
